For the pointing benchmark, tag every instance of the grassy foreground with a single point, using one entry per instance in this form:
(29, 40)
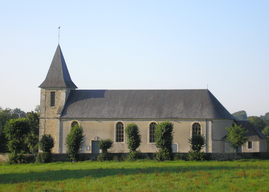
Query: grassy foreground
(242, 175)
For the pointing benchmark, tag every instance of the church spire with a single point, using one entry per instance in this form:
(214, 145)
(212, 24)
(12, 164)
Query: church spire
(58, 75)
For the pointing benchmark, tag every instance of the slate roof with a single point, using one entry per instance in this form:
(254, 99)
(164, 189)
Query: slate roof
(144, 104)
(58, 75)
(253, 133)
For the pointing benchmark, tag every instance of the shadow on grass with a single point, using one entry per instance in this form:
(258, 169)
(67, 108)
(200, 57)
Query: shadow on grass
(59, 175)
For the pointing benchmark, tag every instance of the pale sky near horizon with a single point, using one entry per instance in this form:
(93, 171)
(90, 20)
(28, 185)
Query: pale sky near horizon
(222, 45)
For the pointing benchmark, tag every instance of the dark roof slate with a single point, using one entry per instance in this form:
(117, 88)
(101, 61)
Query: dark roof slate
(253, 133)
(58, 75)
(144, 104)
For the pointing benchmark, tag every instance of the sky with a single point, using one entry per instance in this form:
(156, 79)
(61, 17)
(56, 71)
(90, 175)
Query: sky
(138, 44)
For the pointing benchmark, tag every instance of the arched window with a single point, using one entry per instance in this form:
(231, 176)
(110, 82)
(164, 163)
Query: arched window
(74, 123)
(119, 132)
(152, 127)
(196, 129)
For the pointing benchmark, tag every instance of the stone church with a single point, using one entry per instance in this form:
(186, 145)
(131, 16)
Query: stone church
(105, 114)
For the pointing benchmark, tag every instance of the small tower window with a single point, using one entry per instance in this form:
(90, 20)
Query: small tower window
(152, 127)
(52, 99)
(119, 132)
(196, 129)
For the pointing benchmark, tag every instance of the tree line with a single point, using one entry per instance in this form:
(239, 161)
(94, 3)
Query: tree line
(27, 138)
(261, 123)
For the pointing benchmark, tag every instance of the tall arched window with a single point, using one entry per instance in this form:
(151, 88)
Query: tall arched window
(152, 127)
(196, 129)
(119, 132)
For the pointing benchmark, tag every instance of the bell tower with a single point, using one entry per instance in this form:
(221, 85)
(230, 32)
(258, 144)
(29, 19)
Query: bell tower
(54, 92)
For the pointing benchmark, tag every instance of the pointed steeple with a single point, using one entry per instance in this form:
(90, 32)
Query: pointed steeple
(58, 75)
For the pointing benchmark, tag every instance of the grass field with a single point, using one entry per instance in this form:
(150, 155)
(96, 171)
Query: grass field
(242, 175)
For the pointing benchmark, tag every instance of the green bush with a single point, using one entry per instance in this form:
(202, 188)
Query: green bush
(133, 136)
(178, 157)
(164, 139)
(163, 155)
(196, 156)
(105, 144)
(46, 144)
(44, 157)
(267, 143)
(15, 131)
(197, 142)
(15, 158)
(74, 142)
(104, 157)
(133, 156)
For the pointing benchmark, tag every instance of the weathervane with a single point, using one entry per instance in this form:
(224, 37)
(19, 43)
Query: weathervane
(59, 34)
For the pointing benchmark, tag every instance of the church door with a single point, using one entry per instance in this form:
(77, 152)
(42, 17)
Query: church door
(95, 148)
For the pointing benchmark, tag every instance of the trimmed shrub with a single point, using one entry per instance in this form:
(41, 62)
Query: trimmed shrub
(163, 155)
(104, 157)
(197, 143)
(196, 156)
(133, 136)
(44, 157)
(46, 144)
(105, 144)
(133, 156)
(74, 142)
(164, 139)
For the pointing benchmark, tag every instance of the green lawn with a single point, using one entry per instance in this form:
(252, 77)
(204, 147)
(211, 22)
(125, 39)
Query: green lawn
(243, 175)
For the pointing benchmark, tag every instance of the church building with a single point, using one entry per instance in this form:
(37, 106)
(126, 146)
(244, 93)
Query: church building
(104, 114)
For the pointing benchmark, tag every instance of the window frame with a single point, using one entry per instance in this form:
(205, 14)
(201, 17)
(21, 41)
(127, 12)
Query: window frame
(191, 128)
(52, 98)
(118, 138)
(150, 133)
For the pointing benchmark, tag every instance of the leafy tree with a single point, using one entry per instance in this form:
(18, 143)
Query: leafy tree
(16, 131)
(267, 143)
(74, 142)
(257, 122)
(31, 142)
(5, 116)
(265, 131)
(267, 115)
(46, 144)
(19, 113)
(105, 144)
(32, 137)
(37, 109)
(236, 136)
(164, 139)
(240, 115)
(133, 136)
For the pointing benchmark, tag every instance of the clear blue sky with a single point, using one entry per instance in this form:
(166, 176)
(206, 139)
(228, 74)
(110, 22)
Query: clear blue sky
(139, 45)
